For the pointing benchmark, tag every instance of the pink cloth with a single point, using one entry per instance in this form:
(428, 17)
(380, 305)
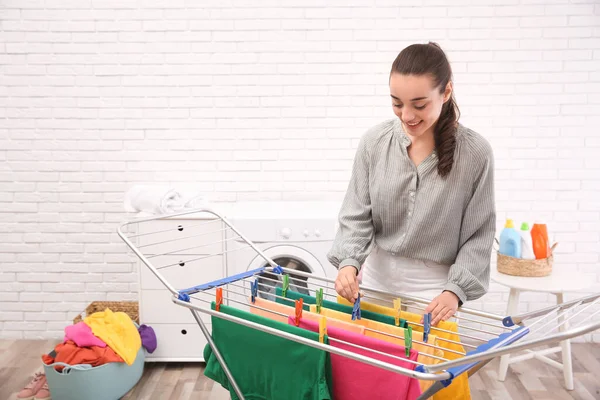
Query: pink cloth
(354, 380)
(82, 335)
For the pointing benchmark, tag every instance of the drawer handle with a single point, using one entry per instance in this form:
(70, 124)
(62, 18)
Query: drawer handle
(179, 228)
(183, 332)
(181, 263)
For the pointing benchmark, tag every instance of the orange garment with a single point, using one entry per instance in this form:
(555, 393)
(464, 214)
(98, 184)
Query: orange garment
(459, 389)
(366, 323)
(287, 311)
(71, 354)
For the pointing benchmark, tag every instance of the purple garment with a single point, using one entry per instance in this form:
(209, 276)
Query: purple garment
(82, 335)
(148, 338)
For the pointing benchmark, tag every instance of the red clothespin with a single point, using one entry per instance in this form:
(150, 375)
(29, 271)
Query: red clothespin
(299, 304)
(219, 299)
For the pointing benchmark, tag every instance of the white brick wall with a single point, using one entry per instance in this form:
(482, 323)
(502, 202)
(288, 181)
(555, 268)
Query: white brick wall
(266, 102)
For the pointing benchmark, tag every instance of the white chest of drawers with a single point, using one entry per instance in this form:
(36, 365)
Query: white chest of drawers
(187, 264)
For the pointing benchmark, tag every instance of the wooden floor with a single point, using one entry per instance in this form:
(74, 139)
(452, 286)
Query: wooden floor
(532, 379)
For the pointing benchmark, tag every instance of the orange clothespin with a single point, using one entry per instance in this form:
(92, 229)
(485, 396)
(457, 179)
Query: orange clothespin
(219, 298)
(299, 305)
(397, 304)
(322, 329)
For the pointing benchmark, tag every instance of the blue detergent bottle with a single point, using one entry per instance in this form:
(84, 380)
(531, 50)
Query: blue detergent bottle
(510, 240)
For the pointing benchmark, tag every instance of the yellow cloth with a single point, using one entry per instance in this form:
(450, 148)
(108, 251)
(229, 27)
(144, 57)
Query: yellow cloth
(365, 305)
(118, 331)
(287, 310)
(366, 323)
(459, 389)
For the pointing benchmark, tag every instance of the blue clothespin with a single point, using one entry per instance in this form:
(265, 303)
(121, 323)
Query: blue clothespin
(319, 301)
(254, 289)
(356, 309)
(426, 326)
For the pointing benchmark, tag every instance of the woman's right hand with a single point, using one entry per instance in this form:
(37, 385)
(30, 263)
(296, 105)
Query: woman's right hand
(346, 283)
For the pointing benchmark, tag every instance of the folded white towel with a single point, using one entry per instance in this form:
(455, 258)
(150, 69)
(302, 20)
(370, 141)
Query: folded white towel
(157, 199)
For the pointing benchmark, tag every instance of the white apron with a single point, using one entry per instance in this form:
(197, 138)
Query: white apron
(390, 272)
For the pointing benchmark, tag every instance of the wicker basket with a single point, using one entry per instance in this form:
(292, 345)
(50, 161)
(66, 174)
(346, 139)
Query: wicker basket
(530, 268)
(130, 308)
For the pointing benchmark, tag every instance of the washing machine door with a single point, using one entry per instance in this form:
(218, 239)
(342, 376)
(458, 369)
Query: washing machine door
(291, 257)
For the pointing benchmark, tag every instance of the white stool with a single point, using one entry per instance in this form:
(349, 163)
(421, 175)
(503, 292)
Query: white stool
(558, 283)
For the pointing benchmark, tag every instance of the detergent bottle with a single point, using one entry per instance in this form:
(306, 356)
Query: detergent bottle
(526, 242)
(510, 240)
(539, 239)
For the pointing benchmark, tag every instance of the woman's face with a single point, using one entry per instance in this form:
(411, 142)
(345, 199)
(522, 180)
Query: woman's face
(417, 102)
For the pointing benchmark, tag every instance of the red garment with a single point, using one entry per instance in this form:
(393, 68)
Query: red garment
(71, 354)
(355, 380)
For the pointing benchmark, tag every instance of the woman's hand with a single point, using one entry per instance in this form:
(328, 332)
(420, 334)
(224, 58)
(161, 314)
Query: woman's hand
(442, 307)
(346, 283)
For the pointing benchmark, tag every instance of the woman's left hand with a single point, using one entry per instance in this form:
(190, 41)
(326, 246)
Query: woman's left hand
(442, 307)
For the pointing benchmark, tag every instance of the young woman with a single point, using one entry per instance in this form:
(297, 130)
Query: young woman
(419, 216)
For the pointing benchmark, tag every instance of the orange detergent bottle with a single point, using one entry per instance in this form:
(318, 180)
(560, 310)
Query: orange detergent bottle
(539, 238)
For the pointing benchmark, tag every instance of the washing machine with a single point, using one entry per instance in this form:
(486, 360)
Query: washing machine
(296, 235)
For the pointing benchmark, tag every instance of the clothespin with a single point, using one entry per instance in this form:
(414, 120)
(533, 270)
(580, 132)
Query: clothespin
(356, 309)
(219, 299)
(397, 305)
(286, 285)
(299, 304)
(426, 326)
(408, 340)
(319, 300)
(322, 329)
(254, 289)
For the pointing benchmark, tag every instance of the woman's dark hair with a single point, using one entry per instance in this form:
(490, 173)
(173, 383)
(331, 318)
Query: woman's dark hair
(429, 59)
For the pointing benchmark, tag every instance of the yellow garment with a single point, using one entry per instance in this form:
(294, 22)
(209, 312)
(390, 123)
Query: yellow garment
(365, 305)
(421, 348)
(287, 310)
(459, 389)
(118, 331)
(366, 323)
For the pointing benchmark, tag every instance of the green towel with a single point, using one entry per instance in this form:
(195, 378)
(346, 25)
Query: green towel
(266, 366)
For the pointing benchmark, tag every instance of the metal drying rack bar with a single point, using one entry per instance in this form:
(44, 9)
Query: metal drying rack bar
(198, 299)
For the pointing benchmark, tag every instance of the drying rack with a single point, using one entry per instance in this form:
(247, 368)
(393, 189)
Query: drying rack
(483, 335)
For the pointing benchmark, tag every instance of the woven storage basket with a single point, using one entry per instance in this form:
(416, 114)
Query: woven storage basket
(130, 308)
(530, 268)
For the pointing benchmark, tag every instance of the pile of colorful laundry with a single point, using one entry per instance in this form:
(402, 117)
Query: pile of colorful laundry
(102, 337)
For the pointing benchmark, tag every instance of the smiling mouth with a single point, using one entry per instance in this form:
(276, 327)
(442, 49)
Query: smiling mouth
(412, 125)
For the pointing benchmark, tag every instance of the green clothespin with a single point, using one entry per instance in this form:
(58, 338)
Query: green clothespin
(286, 285)
(319, 300)
(408, 340)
